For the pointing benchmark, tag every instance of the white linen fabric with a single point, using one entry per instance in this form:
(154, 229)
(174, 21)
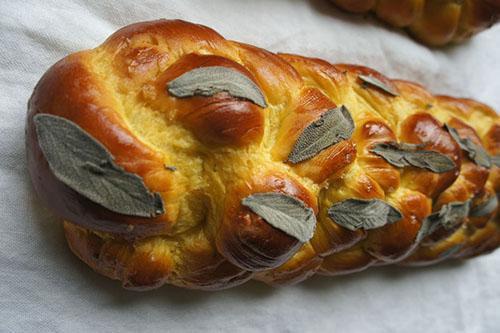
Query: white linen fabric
(45, 288)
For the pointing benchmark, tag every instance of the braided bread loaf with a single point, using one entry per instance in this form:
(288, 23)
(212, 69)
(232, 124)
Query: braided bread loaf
(177, 156)
(433, 22)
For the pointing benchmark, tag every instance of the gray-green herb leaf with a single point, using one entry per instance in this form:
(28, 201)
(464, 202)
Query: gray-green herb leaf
(208, 81)
(448, 217)
(368, 79)
(283, 212)
(451, 251)
(475, 152)
(485, 208)
(495, 160)
(332, 127)
(86, 166)
(354, 214)
(403, 155)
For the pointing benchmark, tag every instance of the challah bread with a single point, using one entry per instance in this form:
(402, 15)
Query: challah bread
(177, 156)
(433, 22)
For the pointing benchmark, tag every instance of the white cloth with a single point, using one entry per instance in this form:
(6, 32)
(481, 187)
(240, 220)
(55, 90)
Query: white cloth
(44, 288)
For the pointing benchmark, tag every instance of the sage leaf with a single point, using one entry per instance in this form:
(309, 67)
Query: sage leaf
(85, 165)
(332, 127)
(283, 212)
(426, 228)
(451, 214)
(403, 155)
(495, 160)
(448, 217)
(451, 251)
(211, 80)
(170, 168)
(475, 152)
(355, 214)
(485, 208)
(371, 80)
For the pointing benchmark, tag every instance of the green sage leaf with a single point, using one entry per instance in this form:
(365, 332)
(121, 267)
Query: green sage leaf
(283, 212)
(495, 160)
(485, 208)
(448, 217)
(371, 80)
(451, 251)
(85, 165)
(332, 127)
(403, 155)
(355, 214)
(211, 80)
(170, 168)
(475, 152)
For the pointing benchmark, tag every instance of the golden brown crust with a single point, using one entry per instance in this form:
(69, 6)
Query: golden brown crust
(433, 22)
(203, 155)
(245, 238)
(70, 90)
(218, 119)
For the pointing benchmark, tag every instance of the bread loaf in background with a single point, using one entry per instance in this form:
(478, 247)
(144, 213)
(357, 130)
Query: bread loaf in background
(433, 22)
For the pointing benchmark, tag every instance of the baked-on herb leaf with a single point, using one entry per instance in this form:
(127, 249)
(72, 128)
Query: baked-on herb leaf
(354, 214)
(208, 81)
(170, 168)
(368, 79)
(283, 212)
(475, 152)
(485, 208)
(403, 155)
(495, 160)
(451, 251)
(448, 217)
(86, 166)
(332, 127)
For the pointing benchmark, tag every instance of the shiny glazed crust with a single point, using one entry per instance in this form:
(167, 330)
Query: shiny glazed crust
(224, 149)
(433, 22)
